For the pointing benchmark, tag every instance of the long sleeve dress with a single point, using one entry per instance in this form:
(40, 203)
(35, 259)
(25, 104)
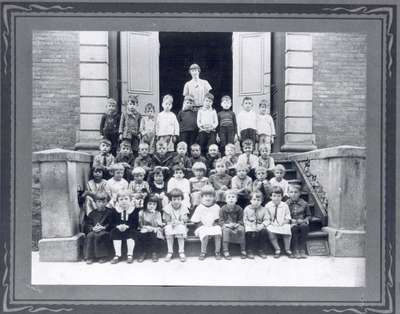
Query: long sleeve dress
(232, 214)
(280, 218)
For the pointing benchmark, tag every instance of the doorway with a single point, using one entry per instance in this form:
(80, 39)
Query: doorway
(211, 51)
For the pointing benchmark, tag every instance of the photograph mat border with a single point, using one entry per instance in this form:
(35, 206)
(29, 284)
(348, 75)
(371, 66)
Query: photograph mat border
(119, 302)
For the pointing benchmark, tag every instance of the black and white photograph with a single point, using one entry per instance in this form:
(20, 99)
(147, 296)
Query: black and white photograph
(199, 158)
(193, 157)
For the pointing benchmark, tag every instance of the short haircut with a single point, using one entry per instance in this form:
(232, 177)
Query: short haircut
(182, 144)
(143, 144)
(125, 144)
(153, 198)
(195, 66)
(98, 168)
(277, 190)
(256, 194)
(124, 192)
(175, 193)
(161, 142)
(280, 167)
(230, 145)
(198, 165)
(295, 186)
(219, 161)
(264, 102)
(149, 106)
(230, 192)
(168, 96)
(195, 145)
(227, 97)
(209, 96)
(105, 141)
(111, 101)
(246, 98)
(138, 170)
(134, 99)
(247, 142)
(261, 168)
(117, 166)
(101, 195)
(178, 167)
(264, 146)
(242, 166)
(157, 170)
(213, 146)
(207, 190)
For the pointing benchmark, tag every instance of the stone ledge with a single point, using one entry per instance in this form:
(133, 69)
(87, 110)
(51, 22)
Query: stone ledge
(346, 243)
(291, 147)
(58, 154)
(61, 249)
(332, 152)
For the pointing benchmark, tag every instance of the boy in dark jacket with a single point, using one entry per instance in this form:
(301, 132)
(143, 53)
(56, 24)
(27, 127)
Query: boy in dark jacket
(109, 124)
(227, 126)
(187, 119)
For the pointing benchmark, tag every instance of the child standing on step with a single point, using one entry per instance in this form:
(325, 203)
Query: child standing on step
(167, 126)
(96, 226)
(150, 230)
(279, 222)
(116, 183)
(187, 119)
(265, 124)
(207, 215)
(104, 159)
(109, 124)
(175, 215)
(278, 180)
(300, 215)
(227, 126)
(148, 126)
(130, 123)
(124, 225)
(207, 122)
(256, 220)
(247, 121)
(231, 221)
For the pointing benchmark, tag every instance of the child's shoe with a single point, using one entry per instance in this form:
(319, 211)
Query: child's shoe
(89, 261)
(227, 256)
(297, 254)
(115, 260)
(218, 256)
(182, 257)
(250, 255)
(303, 254)
(289, 253)
(168, 257)
(141, 258)
(277, 254)
(154, 257)
(262, 254)
(129, 260)
(202, 256)
(102, 260)
(243, 255)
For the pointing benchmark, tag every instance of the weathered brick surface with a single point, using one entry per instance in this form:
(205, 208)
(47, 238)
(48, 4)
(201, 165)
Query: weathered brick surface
(55, 89)
(339, 89)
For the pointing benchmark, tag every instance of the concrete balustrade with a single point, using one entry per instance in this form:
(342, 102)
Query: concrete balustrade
(62, 173)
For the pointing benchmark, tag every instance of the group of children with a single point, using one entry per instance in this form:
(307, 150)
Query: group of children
(146, 187)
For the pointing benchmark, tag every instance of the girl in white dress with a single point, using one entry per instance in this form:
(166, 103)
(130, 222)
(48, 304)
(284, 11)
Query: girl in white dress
(207, 215)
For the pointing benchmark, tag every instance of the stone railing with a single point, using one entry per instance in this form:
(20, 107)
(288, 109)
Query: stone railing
(341, 172)
(62, 174)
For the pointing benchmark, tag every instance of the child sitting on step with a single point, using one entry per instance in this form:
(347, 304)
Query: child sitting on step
(163, 158)
(138, 186)
(150, 232)
(178, 181)
(265, 160)
(242, 184)
(220, 181)
(181, 158)
(278, 180)
(279, 222)
(95, 185)
(230, 159)
(300, 215)
(104, 158)
(199, 180)
(175, 216)
(126, 158)
(97, 229)
(158, 186)
(212, 155)
(207, 215)
(116, 183)
(231, 221)
(124, 224)
(248, 157)
(144, 159)
(195, 154)
(262, 184)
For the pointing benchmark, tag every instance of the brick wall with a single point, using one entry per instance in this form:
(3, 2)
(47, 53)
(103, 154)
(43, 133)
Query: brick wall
(56, 89)
(339, 89)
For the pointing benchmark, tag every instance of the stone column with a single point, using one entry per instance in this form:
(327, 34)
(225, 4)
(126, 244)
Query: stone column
(62, 174)
(94, 78)
(299, 136)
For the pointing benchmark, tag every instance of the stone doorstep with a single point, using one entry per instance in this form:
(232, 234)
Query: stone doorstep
(346, 243)
(61, 249)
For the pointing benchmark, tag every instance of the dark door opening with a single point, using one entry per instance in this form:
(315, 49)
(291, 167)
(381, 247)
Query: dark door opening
(211, 51)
